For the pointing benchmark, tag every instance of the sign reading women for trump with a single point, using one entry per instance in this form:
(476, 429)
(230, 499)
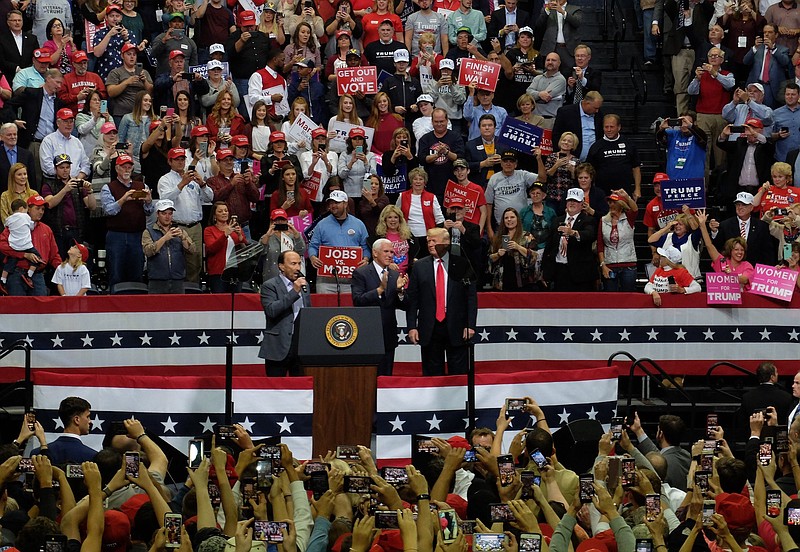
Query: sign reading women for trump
(483, 74)
(723, 289)
(773, 282)
(350, 80)
(677, 193)
(344, 259)
(522, 136)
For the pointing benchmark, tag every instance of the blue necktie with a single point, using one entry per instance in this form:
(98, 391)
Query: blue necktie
(12, 156)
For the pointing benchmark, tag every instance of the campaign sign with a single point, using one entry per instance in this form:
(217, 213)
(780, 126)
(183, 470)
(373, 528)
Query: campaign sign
(483, 74)
(342, 130)
(301, 128)
(773, 282)
(350, 80)
(203, 70)
(301, 223)
(470, 198)
(345, 259)
(677, 193)
(723, 289)
(394, 184)
(521, 136)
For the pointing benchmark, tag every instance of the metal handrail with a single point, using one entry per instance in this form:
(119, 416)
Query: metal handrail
(728, 365)
(23, 345)
(620, 353)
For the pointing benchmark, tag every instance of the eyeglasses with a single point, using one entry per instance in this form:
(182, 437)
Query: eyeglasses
(710, 56)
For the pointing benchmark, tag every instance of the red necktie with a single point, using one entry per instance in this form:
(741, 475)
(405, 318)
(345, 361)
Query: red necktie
(743, 229)
(767, 59)
(440, 308)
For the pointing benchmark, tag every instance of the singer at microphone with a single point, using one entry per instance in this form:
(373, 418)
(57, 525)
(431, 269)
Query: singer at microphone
(282, 298)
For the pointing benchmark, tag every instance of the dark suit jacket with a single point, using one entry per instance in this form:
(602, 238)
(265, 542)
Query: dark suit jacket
(581, 259)
(25, 157)
(594, 79)
(498, 21)
(673, 36)
(767, 394)
(364, 288)
(67, 449)
(461, 301)
(678, 462)
(10, 58)
(764, 157)
(277, 302)
(761, 246)
(568, 119)
(778, 70)
(547, 27)
(30, 100)
(474, 153)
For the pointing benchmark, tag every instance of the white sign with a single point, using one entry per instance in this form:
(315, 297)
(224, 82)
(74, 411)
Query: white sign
(342, 129)
(203, 70)
(301, 128)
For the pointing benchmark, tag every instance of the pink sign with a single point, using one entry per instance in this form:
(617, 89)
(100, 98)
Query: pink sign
(773, 282)
(483, 74)
(345, 259)
(350, 80)
(723, 289)
(301, 223)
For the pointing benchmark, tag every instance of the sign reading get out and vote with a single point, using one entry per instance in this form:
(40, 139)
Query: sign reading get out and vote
(773, 282)
(345, 259)
(350, 80)
(483, 74)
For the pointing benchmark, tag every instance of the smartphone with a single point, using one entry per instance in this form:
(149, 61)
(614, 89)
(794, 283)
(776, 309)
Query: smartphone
(709, 507)
(237, 168)
(765, 453)
(170, 111)
(359, 149)
(196, 449)
(701, 480)
(263, 473)
(628, 466)
(103, 106)
(282, 226)
(787, 251)
(30, 415)
(214, 494)
(358, 484)
(539, 459)
(791, 516)
(386, 519)
(644, 545)
(505, 465)
(234, 220)
(491, 542)
(394, 476)
(466, 526)
(773, 503)
(530, 542)
(162, 111)
(139, 68)
(321, 147)
(347, 452)
(674, 121)
(781, 439)
(709, 446)
(312, 467)
(318, 483)
(449, 523)
(617, 427)
(121, 146)
(177, 33)
(172, 526)
(268, 531)
(781, 213)
(586, 488)
(132, 464)
(529, 479)
(404, 143)
(202, 149)
(516, 405)
(55, 543)
(712, 422)
(737, 128)
(249, 490)
(73, 471)
(425, 444)
(707, 462)
(671, 280)
(25, 465)
(225, 434)
(505, 239)
(652, 506)
(501, 512)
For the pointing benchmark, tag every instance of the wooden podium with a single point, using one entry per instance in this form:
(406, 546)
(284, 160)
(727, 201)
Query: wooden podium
(341, 347)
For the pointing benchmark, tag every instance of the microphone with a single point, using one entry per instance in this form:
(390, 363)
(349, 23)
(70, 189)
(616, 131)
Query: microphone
(304, 287)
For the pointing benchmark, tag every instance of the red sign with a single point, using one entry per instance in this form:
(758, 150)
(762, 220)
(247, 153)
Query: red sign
(547, 142)
(346, 259)
(350, 80)
(470, 198)
(483, 74)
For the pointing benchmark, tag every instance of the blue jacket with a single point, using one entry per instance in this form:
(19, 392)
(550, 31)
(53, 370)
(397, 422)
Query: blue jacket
(170, 262)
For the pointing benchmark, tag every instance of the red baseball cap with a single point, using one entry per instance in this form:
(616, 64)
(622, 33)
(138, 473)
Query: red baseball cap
(755, 123)
(200, 130)
(278, 213)
(42, 56)
(65, 114)
(247, 18)
(357, 131)
(343, 32)
(83, 249)
(175, 53)
(79, 56)
(123, 159)
(128, 46)
(660, 177)
(36, 200)
(222, 153)
(277, 137)
(117, 531)
(175, 153)
(113, 7)
(319, 131)
(153, 125)
(240, 140)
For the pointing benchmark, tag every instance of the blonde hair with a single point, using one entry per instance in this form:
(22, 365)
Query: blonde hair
(574, 140)
(403, 229)
(77, 264)
(783, 169)
(12, 172)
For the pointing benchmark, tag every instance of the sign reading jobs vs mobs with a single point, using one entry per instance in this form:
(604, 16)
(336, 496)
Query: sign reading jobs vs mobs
(350, 80)
(345, 259)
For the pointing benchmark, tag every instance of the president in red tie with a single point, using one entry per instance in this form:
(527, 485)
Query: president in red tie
(442, 307)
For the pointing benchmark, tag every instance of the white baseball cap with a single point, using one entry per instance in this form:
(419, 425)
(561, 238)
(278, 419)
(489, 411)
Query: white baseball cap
(575, 194)
(744, 197)
(401, 55)
(447, 64)
(164, 204)
(338, 196)
(425, 98)
(214, 48)
(214, 64)
(671, 253)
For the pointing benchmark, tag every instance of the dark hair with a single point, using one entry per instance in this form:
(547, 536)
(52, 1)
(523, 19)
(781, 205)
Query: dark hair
(18, 204)
(540, 439)
(86, 107)
(108, 462)
(732, 474)
(32, 536)
(144, 523)
(48, 29)
(767, 369)
(487, 117)
(212, 219)
(793, 86)
(692, 114)
(71, 407)
(273, 53)
(673, 428)
(282, 255)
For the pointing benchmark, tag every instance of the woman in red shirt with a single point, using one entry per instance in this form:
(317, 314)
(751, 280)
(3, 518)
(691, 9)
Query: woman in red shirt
(224, 121)
(289, 196)
(380, 12)
(218, 237)
(385, 121)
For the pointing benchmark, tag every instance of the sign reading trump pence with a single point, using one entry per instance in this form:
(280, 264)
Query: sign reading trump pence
(344, 259)
(350, 80)
(677, 193)
(483, 74)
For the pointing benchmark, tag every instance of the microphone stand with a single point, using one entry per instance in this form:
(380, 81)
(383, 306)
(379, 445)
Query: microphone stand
(335, 271)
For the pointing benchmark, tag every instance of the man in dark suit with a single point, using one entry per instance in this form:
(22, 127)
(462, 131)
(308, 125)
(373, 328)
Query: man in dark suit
(482, 153)
(549, 28)
(11, 153)
(377, 285)
(746, 169)
(761, 246)
(569, 262)
(12, 56)
(505, 24)
(570, 118)
(583, 78)
(282, 298)
(779, 64)
(74, 413)
(767, 394)
(670, 433)
(442, 307)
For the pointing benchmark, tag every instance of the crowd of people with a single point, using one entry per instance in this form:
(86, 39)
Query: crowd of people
(162, 142)
(641, 492)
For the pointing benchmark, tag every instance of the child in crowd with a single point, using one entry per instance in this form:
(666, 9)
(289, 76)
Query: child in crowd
(72, 276)
(19, 225)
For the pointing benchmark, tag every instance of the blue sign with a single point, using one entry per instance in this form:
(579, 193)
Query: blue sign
(677, 193)
(519, 135)
(397, 183)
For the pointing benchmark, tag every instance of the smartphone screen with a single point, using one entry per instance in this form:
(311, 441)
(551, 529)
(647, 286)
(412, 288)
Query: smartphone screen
(773, 503)
(711, 426)
(394, 476)
(74, 471)
(264, 473)
(781, 439)
(357, 484)
(268, 531)
(347, 452)
(617, 427)
(538, 458)
(449, 523)
(195, 453)
(701, 480)
(312, 467)
(318, 483)
(765, 453)
(132, 464)
(652, 506)
(530, 542)
(792, 516)
(386, 519)
(505, 465)
(528, 481)
(708, 511)
(644, 545)
(586, 488)
(214, 494)
(55, 543)
(425, 444)
(628, 472)
(515, 405)
(172, 526)
(488, 542)
(501, 512)
(30, 418)
(225, 434)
